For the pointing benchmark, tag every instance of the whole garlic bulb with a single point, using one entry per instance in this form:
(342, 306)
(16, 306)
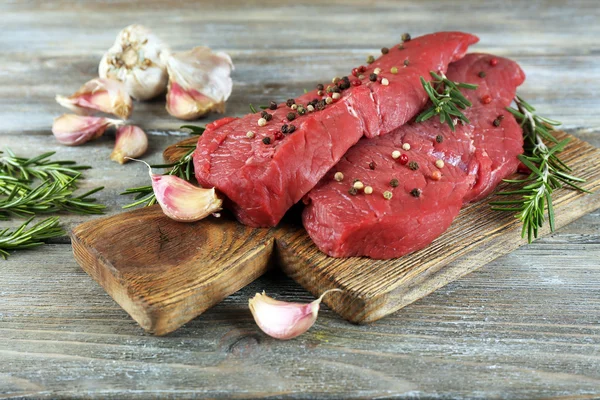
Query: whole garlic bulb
(138, 59)
(199, 82)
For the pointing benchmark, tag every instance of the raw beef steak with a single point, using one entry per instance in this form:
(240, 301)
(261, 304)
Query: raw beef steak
(265, 166)
(425, 197)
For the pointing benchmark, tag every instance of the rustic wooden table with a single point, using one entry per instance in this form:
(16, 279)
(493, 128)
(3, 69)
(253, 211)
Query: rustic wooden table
(526, 325)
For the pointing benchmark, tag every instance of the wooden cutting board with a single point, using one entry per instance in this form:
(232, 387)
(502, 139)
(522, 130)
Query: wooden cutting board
(165, 273)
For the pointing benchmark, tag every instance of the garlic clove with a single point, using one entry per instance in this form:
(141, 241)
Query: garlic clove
(131, 142)
(73, 130)
(199, 82)
(182, 201)
(283, 320)
(137, 58)
(105, 95)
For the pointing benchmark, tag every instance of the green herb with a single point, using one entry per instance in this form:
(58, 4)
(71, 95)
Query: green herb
(548, 172)
(446, 98)
(59, 180)
(183, 168)
(26, 237)
(253, 109)
(194, 130)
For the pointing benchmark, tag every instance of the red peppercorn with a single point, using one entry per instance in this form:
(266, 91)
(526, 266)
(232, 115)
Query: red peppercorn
(278, 135)
(356, 82)
(355, 71)
(403, 159)
(362, 68)
(494, 62)
(436, 175)
(487, 99)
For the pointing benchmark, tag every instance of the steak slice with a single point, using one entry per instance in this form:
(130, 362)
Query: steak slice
(475, 156)
(263, 171)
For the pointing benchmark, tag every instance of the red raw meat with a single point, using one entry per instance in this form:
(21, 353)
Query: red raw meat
(263, 180)
(476, 156)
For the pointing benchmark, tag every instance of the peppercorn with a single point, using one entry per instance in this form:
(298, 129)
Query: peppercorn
(284, 128)
(494, 62)
(370, 60)
(385, 81)
(436, 175)
(336, 96)
(289, 102)
(321, 104)
(394, 183)
(387, 195)
(368, 190)
(415, 192)
(335, 89)
(344, 85)
(394, 70)
(330, 89)
(413, 165)
(403, 160)
(362, 68)
(291, 116)
(353, 191)
(481, 74)
(266, 140)
(328, 100)
(487, 99)
(439, 138)
(320, 92)
(338, 176)
(278, 135)
(385, 50)
(406, 37)
(373, 77)
(406, 62)
(354, 71)
(356, 82)
(291, 129)
(401, 47)
(262, 122)
(273, 106)
(372, 165)
(320, 86)
(301, 110)
(266, 116)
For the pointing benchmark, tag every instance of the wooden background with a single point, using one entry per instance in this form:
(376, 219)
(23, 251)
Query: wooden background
(526, 325)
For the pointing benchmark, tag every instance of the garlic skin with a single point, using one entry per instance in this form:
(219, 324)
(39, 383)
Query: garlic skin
(74, 130)
(283, 320)
(137, 58)
(199, 82)
(106, 95)
(180, 200)
(131, 142)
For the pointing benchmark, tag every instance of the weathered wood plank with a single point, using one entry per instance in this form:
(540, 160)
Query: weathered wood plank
(524, 326)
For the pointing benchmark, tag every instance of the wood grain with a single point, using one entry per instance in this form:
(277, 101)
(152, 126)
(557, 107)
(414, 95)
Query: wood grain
(165, 273)
(523, 326)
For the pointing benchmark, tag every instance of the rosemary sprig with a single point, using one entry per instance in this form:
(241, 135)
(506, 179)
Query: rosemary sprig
(548, 172)
(183, 168)
(26, 237)
(446, 98)
(40, 167)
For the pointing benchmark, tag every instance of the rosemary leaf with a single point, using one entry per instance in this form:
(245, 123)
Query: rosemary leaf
(26, 237)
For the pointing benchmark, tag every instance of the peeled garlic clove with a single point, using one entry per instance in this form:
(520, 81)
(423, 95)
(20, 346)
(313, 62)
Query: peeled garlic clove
(283, 320)
(199, 82)
(131, 142)
(74, 130)
(137, 58)
(182, 201)
(105, 95)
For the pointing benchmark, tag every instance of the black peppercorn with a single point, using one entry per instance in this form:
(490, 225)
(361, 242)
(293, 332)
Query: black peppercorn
(406, 62)
(291, 116)
(301, 110)
(413, 165)
(481, 74)
(415, 192)
(394, 183)
(385, 50)
(291, 129)
(353, 191)
(273, 106)
(373, 77)
(266, 140)
(290, 102)
(284, 128)
(335, 89)
(406, 37)
(372, 165)
(320, 86)
(439, 138)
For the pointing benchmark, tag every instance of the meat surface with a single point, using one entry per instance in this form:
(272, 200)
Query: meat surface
(475, 158)
(263, 172)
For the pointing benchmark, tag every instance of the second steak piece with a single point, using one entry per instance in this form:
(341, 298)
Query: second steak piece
(265, 162)
(416, 197)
